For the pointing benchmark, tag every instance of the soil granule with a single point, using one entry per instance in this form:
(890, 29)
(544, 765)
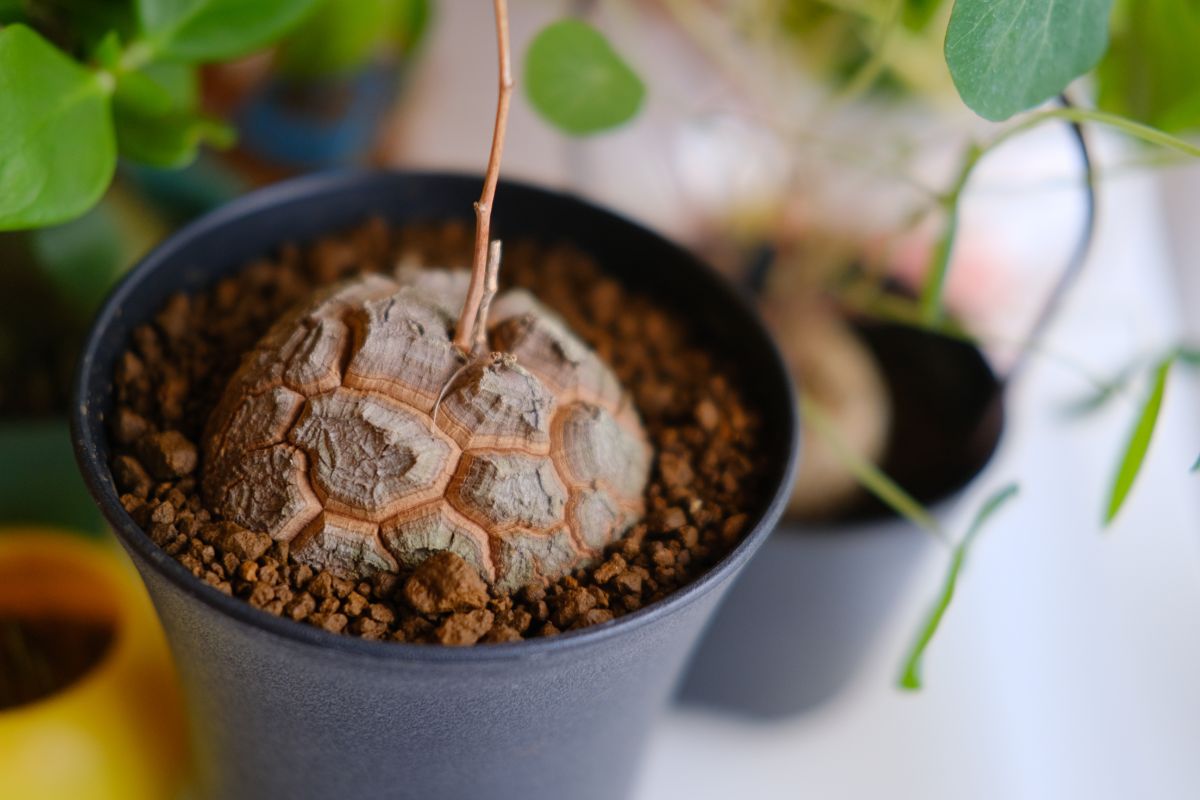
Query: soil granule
(701, 487)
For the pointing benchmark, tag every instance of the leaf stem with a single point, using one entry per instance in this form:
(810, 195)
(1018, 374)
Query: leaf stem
(939, 267)
(872, 478)
(136, 55)
(910, 675)
(931, 294)
(483, 208)
(866, 75)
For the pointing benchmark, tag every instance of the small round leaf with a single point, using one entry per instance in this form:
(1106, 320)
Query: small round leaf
(1007, 56)
(575, 79)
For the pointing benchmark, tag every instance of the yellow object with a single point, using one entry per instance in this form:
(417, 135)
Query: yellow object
(117, 731)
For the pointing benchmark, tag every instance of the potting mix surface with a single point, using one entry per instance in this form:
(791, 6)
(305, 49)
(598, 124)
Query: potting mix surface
(702, 484)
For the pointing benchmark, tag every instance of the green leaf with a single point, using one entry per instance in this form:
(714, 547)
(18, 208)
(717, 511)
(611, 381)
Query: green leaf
(575, 79)
(1196, 466)
(57, 150)
(217, 30)
(340, 37)
(155, 118)
(139, 91)
(42, 483)
(160, 88)
(108, 51)
(1007, 56)
(910, 675)
(1139, 443)
(168, 141)
(872, 478)
(1149, 72)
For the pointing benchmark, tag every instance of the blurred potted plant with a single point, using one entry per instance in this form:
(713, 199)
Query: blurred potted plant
(88, 702)
(319, 100)
(878, 53)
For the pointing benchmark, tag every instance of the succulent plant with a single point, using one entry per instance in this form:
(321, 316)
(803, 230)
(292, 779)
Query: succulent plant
(360, 432)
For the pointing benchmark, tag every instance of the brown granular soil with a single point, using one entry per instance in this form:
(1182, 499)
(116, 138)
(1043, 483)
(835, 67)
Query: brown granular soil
(702, 485)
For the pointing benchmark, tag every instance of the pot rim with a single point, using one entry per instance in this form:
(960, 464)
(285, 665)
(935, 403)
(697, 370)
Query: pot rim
(97, 474)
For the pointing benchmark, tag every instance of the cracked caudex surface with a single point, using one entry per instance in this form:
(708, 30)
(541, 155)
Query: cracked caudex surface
(356, 431)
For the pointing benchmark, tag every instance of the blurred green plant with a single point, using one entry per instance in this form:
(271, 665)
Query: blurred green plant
(341, 36)
(1134, 454)
(1005, 57)
(1156, 372)
(910, 674)
(41, 483)
(83, 81)
(1149, 73)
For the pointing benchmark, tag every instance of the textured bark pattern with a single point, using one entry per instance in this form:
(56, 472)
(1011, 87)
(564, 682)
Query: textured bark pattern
(356, 431)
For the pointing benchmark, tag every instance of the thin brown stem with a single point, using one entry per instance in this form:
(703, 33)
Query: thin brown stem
(483, 208)
(491, 286)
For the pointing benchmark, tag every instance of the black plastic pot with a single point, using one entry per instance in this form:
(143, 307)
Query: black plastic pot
(280, 709)
(803, 614)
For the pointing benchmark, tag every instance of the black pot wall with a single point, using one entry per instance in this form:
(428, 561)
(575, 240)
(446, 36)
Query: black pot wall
(806, 611)
(280, 709)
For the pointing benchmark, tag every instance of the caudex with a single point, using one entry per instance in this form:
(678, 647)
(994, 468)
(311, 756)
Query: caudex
(396, 417)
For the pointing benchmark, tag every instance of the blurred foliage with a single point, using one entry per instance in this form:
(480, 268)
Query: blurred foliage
(342, 36)
(41, 483)
(51, 281)
(84, 79)
(74, 26)
(1152, 69)
(838, 39)
(918, 14)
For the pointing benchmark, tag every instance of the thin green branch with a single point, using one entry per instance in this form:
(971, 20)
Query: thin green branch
(939, 266)
(910, 675)
(877, 302)
(872, 478)
(866, 75)
(935, 280)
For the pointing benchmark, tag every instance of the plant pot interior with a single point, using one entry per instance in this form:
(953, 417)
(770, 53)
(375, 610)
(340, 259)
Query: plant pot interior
(947, 414)
(712, 470)
(57, 623)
